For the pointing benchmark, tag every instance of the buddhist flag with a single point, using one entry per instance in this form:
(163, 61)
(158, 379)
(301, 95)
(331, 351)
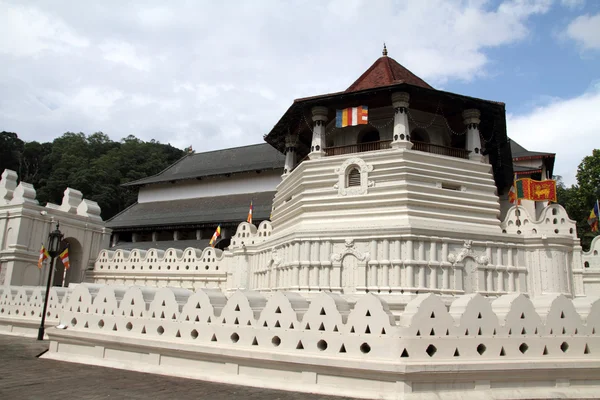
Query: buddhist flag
(594, 217)
(43, 255)
(249, 219)
(215, 236)
(536, 190)
(352, 116)
(64, 257)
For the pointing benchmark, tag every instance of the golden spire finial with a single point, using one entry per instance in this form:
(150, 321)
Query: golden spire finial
(384, 52)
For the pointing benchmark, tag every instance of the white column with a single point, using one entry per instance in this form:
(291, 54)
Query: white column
(433, 265)
(446, 271)
(319, 117)
(315, 257)
(155, 236)
(410, 274)
(401, 136)
(115, 239)
(421, 264)
(372, 266)
(296, 266)
(511, 274)
(471, 119)
(385, 268)
(290, 154)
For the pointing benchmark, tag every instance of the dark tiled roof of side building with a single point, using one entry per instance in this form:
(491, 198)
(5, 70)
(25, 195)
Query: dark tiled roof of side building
(519, 151)
(256, 157)
(198, 211)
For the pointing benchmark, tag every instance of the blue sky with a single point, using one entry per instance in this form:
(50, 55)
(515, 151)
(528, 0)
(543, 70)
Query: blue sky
(220, 74)
(543, 66)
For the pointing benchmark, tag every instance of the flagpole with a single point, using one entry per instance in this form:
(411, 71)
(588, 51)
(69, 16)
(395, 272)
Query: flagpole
(64, 278)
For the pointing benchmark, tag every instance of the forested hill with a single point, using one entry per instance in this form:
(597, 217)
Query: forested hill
(94, 165)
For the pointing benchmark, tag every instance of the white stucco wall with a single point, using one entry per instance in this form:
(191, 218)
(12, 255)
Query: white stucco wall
(25, 225)
(529, 163)
(249, 182)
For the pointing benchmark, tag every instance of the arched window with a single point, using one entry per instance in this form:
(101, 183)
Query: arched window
(368, 135)
(353, 177)
(419, 135)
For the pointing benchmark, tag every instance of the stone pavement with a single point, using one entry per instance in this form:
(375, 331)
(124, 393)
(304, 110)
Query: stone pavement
(23, 376)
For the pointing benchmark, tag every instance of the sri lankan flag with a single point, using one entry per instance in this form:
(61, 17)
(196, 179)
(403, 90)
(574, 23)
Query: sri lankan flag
(215, 236)
(536, 190)
(352, 116)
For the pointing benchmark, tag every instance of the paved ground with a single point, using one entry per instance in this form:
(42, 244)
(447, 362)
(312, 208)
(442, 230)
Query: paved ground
(24, 376)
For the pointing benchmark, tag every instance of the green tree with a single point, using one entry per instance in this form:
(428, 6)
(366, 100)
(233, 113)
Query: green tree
(579, 199)
(94, 165)
(11, 148)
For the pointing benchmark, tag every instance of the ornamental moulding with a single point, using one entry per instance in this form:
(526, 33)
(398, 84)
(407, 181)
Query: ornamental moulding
(350, 250)
(275, 257)
(343, 170)
(465, 252)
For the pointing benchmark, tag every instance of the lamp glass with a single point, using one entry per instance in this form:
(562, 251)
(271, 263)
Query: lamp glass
(54, 241)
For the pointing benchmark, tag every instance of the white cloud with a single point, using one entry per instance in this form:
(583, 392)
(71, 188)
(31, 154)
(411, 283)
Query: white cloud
(26, 31)
(568, 127)
(585, 30)
(124, 53)
(222, 74)
(573, 3)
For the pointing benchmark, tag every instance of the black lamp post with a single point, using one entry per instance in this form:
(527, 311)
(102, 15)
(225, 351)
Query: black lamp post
(54, 239)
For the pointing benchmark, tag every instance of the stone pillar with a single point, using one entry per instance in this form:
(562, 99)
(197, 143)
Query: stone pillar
(319, 117)
(471, 119)
(155, 236)
(401, 136)
(115, 239)
(290, 154)
(198, 234)
(135, 237)
(176, 235)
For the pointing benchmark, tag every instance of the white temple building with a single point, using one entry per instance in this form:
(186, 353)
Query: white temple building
(392, 265)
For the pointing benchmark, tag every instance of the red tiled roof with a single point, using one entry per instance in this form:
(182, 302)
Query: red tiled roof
(386, 71)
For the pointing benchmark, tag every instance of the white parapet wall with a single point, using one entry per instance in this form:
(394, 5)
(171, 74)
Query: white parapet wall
(477, 347)
(190, 268)
(591, 268)
(21, 308)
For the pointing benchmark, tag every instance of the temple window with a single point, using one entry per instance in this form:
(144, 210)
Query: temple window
(353, 177)
(420, 135)
(368, 135)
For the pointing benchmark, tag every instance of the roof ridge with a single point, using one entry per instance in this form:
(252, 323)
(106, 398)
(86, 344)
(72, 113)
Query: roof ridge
(364, 74)
(121, 212)
(390, 72)
(232, 148)
(164, 170)
(386, 71)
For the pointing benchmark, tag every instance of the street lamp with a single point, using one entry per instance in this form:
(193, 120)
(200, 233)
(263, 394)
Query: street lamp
(54, 240)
